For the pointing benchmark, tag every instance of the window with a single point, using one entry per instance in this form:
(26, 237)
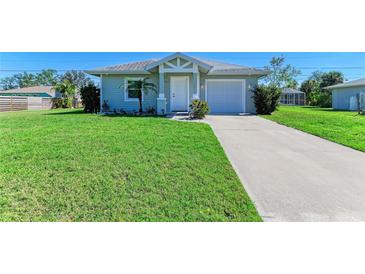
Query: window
(131, 94)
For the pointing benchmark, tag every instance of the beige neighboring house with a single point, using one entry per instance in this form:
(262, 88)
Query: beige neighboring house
(36, 91)
(29, 98)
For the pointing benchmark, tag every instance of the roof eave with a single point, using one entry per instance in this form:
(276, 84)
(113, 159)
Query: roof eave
(253, 74)
(345, 86)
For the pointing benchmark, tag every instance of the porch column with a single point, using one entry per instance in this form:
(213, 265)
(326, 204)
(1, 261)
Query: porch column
(161, 100)
(196, 81)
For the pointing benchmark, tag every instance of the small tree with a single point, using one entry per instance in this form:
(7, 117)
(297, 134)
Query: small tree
(282, 76)
(140, 86)
(266, 98)
(90, 97)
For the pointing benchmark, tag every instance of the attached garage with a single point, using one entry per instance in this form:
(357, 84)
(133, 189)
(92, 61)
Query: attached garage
(225, 95)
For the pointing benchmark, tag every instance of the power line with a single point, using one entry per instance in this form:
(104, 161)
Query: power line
(37, 70)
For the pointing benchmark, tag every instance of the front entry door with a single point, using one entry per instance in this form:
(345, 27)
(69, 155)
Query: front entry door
(179, 93)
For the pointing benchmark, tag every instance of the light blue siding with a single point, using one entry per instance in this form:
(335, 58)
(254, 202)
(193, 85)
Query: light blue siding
(341, 97)
(113, 90)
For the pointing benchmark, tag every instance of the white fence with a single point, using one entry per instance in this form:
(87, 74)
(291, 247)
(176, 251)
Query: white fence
(16, 103)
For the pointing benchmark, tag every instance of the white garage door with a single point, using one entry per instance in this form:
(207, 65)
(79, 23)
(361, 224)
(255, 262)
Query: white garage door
(225, 95)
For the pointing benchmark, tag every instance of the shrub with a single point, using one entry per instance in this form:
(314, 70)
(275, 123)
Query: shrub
(151, 110)
(67, 103)
(90, 97)
(266, 98)
(62, 103)
(57, 103)
(198, 109)
(324, 99)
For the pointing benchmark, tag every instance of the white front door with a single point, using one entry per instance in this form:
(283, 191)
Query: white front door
(179, 93)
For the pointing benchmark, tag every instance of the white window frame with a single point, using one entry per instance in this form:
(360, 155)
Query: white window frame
(126, 98)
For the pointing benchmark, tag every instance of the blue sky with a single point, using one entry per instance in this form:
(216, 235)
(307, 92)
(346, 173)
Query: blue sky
(351, 64)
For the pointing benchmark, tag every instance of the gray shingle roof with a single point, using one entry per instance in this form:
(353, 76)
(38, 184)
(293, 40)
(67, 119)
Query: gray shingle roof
(135, 66)
(217, 68)
(290, 91)
(354, 83)
(226, 68)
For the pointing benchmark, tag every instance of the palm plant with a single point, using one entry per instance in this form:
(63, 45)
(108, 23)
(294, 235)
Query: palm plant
(66, 88)
(140, 86)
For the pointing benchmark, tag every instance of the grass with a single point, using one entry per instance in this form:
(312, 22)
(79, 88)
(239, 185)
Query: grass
(64, 165)
(343, 127)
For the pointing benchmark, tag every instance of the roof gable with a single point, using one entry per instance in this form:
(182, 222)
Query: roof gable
(178, 55)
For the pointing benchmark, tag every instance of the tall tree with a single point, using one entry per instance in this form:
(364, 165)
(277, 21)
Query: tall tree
(282, 75)
(77, 78)
(331, 78)
(25, 79)
(314, 87)
(47, 77)
(8, 83)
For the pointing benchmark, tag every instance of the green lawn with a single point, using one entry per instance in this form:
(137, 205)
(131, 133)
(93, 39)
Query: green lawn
(64, 165)
(343, 127)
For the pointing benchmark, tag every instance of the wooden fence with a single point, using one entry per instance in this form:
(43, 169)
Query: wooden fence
(16, 103)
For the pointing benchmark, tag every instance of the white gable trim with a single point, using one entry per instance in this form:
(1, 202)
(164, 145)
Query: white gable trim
(178, 55)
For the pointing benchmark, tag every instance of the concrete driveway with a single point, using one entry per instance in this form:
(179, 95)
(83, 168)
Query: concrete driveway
(292, 175)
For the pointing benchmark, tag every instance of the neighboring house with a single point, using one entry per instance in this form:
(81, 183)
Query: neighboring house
(344, 96)
(179, 79)
(30, 98)
(36, 91)
(290, 96)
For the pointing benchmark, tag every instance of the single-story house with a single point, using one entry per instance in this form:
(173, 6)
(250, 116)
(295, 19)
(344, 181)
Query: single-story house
(36, 91)
(179, 79)
(290, 96)
(344, 96)
(29, 98)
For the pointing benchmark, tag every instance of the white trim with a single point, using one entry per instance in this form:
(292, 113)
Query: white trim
(197, 95)
(195, 68)
(232, 80)
(161, 82)
(175, 55)
(187, 64)
(178, 70)
(126, 99)
(101, 93)
(188, 91)
(170, 64)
